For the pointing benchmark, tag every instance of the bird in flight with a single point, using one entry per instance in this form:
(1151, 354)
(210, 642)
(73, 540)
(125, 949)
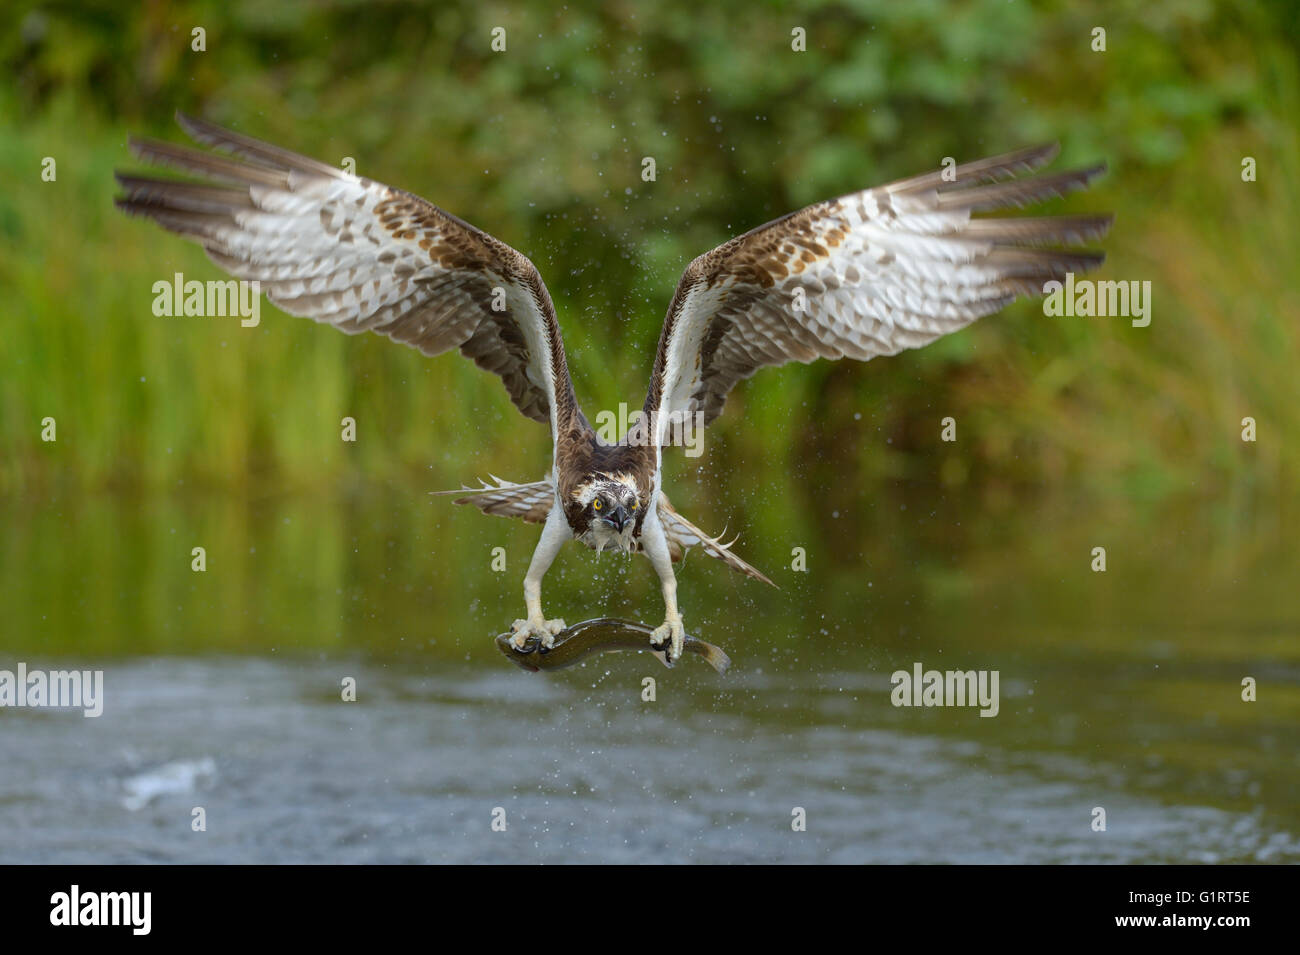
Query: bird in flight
(868, 274)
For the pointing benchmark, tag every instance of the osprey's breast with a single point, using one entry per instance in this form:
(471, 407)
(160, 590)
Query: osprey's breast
(599, 536)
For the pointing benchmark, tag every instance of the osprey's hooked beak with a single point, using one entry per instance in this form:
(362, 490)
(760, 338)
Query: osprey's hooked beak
(617, 518)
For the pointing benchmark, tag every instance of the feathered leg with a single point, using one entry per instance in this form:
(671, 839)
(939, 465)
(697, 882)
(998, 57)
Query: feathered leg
(554, 534)
(655, 545)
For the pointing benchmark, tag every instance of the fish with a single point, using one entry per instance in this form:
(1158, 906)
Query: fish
(602, 635)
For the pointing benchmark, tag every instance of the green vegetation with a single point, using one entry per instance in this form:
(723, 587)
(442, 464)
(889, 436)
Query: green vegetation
(542, 145)
(1072, 432)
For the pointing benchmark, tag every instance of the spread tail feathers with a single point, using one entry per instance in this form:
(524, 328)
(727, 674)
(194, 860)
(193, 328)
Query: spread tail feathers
(533, 502)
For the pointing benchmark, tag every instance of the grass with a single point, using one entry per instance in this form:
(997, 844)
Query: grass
(1093, 404)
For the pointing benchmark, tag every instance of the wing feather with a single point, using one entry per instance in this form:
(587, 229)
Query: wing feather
(682, 534)
(531, 502)
(868, 274)
(361, 256)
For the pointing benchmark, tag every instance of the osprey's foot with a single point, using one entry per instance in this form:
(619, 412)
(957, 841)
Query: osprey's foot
(672, 634)
(543, 630)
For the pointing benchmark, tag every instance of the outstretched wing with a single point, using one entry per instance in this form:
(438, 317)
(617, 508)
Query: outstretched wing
(358, 255)
(682, 534)
(867, 274)
(531, 502)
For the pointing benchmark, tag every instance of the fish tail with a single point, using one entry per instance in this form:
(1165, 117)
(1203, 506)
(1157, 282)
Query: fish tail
(713, 656)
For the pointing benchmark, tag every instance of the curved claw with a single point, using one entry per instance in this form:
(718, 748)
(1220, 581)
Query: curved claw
(539, 632)
(671, 633)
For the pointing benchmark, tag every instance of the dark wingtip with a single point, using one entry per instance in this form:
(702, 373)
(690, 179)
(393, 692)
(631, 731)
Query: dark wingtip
(1089, 173)
(128, 206)
(1047, 152)
(199, 130)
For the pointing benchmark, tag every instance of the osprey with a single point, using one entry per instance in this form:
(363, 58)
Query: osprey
(867, 274)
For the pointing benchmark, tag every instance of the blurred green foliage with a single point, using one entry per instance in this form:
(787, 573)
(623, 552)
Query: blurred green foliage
(542, 146)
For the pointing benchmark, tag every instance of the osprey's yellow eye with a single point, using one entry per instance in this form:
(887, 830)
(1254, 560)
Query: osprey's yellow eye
(635, 505)
(596, 503)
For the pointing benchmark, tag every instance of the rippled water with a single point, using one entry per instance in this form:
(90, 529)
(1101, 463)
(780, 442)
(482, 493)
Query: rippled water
(223, 692)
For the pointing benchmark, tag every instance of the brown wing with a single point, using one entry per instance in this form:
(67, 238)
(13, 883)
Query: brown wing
(358, 255)
(868, 274)
(682, 534)
(531, 502)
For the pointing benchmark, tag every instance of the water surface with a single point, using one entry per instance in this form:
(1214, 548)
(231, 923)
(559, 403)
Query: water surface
(1118, 690)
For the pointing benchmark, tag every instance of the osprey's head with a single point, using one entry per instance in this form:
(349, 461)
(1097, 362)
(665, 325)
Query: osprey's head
(608, 509)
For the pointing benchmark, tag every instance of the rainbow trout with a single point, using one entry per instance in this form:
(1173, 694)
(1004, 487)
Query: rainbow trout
(604, 635)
